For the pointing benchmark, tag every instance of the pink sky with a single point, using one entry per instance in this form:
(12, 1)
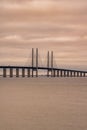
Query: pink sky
(58, 25)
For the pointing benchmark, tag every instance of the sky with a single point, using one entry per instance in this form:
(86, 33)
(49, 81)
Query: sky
(55, 25)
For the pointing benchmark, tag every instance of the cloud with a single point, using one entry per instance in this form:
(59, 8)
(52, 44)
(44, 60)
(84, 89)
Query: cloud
(42, 39)
(55, 39)
(40, 5)
(12, 37)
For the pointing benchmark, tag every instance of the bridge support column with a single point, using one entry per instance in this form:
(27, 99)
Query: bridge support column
(54, 73)
(23, 72)
(84, 75)
(71, 73)
(67, 73)
(64, 73)
(57, 73)
(77, 74)
(74, 74)
(61, 73)
(11, 72)
(32, 72)
(4, 72)
(81, 74)
(36, 72)
(17, 72)
(28, 72)
(47, 73)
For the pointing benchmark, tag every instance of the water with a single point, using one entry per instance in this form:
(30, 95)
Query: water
(43, 104)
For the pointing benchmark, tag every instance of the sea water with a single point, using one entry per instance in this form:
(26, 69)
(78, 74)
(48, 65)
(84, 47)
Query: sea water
(43, 103)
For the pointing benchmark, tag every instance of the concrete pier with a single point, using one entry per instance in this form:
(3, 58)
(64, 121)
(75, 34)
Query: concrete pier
(74, 73)
(84, 74)
(67, 73)
(77, 74)
(23, 72)
(57, 73)
(28, 72)
(54, 75)
(71, 73)
(17, 72)
(4, 72)
(61, 72)
(81, 74)
(11, 72)
(64, 73)
(48, 73)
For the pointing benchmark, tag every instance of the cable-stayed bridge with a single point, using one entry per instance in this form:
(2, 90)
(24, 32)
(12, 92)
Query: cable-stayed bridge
(35, 69)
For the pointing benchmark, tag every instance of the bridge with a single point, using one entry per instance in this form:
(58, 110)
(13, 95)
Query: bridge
(34, 69)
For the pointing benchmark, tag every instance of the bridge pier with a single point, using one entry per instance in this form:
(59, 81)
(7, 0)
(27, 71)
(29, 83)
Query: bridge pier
(57, 73)
(54, 75)
(17, 72)
(32, 73)
(74, 74)
(47, 72)
(36, 72)
(61, 73)
(28, 72)
(84, 74)
(4, 72)
(11, 72)
(77, 74)
(81, 74)
(67, 73)
(71, 74)
(23, 72)
(64, 73)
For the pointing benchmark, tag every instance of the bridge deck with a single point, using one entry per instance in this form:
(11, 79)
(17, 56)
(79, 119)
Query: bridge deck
(40, 68)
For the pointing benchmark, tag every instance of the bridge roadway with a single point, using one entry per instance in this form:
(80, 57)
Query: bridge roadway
(53, 72)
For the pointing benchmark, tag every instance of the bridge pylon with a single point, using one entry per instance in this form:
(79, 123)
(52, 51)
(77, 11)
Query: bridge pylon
(35, 59)
(50, 64)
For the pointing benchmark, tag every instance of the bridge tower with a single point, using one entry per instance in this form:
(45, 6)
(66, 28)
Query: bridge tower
(32, 60)
(36, 62)
(52, 71)
(35, 65)
(48, 58)
(50, 64)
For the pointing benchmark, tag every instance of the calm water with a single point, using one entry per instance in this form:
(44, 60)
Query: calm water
(43, 104)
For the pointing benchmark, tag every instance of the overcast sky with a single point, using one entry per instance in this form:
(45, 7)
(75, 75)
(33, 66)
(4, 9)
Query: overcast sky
(58, 25)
